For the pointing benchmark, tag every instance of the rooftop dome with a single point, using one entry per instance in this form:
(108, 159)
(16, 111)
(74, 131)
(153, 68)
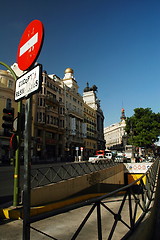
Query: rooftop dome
(69, 70)
(86, 89)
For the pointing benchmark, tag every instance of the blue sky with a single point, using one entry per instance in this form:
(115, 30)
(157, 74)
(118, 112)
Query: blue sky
(113, 44)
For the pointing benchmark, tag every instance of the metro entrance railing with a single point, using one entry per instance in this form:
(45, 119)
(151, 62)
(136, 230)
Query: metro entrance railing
(134, 201)
(46, 175)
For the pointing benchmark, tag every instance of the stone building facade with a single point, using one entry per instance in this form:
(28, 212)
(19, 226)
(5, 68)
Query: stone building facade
(115, 134)
(48, 121)
(65, 124)
(7, 86)
(90, 98)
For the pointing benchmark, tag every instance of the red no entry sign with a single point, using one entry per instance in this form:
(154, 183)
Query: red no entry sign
(30, 45)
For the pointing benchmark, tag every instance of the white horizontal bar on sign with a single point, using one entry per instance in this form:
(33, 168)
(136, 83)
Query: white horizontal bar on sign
(30, 43)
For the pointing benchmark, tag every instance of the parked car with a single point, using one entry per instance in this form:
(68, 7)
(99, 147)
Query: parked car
(108, 155)
(120, 159)
(150, 159)
(97, 158)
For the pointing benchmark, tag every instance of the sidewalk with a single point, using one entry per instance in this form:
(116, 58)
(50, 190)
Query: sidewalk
(63, 226)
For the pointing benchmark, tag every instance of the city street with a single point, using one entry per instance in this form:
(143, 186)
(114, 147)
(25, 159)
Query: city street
(7, 180)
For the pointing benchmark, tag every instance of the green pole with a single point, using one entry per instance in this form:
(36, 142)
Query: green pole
(16, 189)
(17, 154)
(10, 69)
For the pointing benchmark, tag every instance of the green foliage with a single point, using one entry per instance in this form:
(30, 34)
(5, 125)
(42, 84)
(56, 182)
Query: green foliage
(143, 128)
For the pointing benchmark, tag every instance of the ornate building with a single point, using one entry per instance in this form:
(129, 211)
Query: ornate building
(90, 140)
(90, 98)
(115, 133)
(63, 122)
(48, 119)
(74, 115)
(7, 85)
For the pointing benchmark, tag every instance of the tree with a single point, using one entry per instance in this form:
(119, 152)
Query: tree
(143, 128)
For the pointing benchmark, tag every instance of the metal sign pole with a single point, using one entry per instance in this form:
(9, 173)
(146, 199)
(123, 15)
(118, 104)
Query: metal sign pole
(27, 168)
(81, 154)
(77, 149)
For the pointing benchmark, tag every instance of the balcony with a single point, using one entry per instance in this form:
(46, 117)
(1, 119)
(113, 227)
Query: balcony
(50, 100)
(75, 114)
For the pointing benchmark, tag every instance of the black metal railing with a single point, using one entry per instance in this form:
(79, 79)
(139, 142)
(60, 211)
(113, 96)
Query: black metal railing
(132, 202)
(56, 173)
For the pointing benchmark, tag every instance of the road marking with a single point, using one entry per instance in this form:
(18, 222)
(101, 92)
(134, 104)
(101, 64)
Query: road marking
(30, 43)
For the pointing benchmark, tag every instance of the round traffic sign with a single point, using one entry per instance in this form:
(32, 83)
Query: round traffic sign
(30, 45)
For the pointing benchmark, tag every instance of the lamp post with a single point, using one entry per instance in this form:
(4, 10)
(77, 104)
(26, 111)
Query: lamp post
(132, 156)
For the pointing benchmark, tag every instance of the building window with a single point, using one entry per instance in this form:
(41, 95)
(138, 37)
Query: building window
(8, 103)
(60, 110)
(51, 122)
(40, 117)
(47, 119)
(40, 101)
(10, 84)
(55, 121)
(44, 117)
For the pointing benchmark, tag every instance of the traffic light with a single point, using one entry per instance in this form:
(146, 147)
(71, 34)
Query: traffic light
(8, 117)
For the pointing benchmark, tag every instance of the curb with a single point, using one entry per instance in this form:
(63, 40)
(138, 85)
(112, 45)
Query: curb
(16, 213)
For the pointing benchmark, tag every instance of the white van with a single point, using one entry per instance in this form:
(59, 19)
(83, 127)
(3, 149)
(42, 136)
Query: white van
(97, 159)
